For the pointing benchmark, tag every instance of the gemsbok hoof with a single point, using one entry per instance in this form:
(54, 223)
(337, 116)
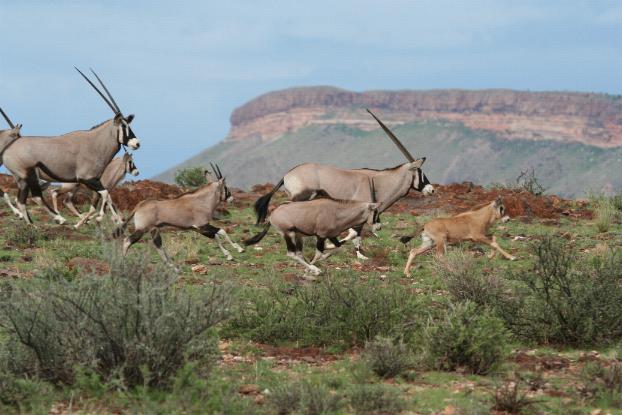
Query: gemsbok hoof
(361, 256)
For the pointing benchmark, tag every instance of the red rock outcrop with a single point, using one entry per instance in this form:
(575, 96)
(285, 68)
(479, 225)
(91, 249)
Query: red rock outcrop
(590, 118)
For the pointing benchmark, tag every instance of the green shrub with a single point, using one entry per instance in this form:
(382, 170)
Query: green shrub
(375, 399)
(606, 214)
(509, 398)
(566, 301)
(327, 313)
(616, 201)
(306, 397)
(603, 383)
(20, 235)
(386, 358)
(190, 177)
(135, 324)
(466, 281)
(466, 337)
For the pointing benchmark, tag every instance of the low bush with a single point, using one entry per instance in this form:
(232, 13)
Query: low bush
(466, 281)
(603, 383)
(606, 214)
(135, 324)
(306, 397)
(508, 398)
(387, 358)
(18, 234)
(563, 300)
(466, 337)
(327, 313)
(375, 399)
(528, 181)
(190, 177)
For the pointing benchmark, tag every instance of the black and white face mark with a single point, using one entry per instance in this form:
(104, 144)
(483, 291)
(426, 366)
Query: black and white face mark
(422, 184)
(126, 135)
(131, 168)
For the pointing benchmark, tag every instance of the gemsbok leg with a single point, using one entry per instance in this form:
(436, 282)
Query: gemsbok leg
(427, 244)
(294, 251)
(157, 242)
(215, 233)
(37, 195)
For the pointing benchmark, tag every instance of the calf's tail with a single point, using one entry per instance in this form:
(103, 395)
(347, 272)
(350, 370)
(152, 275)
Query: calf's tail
(261, 205)
(258, 237)
(120, 230)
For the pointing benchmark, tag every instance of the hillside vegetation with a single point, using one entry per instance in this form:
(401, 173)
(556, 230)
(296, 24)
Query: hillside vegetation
(454, 153)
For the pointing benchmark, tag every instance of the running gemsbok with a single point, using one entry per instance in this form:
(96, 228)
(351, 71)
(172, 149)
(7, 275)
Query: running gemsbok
(191, 211)
(322, 217)
(7, 137)
(114, 172)
(76, 157)
(306, 180)
(467, 226)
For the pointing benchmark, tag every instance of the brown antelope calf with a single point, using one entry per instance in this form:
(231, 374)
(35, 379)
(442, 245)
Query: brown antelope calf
(190, 211)
(467, 226)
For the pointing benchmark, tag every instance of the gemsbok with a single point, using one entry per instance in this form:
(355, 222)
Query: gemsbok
(75, 157)
(190, 211)
(322, 217)
(114, 172)
(468, 226)
(306, 180)
(7, 137)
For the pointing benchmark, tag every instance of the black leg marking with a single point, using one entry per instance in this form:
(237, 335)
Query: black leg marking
(298, 243)
(157, 238)
(319, 244)
(209, 231)
(93, 184)
(335, 242)
(291, 246)
(358, 229)
(135, 237)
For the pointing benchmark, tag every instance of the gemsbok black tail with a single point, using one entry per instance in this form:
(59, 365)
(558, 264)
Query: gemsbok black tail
(258, 237)
(261, 205)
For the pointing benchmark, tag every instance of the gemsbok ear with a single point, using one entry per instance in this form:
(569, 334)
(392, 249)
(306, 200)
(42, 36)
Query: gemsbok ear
(416, 164)
(117, 119)
(129, 118)
(498, 201)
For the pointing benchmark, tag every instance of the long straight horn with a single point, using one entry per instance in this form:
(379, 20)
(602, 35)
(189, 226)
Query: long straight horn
(6, 117)
(216, 175)
(219, 172)
(116, 112)
(107, 92)
(393, 138)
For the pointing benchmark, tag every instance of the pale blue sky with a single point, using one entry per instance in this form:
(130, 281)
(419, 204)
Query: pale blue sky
(183, 66)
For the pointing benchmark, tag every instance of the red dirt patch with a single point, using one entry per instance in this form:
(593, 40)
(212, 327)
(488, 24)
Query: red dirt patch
(88, 265)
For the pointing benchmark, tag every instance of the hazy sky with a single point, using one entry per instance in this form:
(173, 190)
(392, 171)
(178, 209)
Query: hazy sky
(183, 66)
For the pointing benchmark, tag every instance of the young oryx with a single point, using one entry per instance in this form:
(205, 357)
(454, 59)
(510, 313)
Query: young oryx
(7, 137)
(304, 181)
(114, 172)
(76, 157)
(322, 217)
(467, 226)
(190, 211)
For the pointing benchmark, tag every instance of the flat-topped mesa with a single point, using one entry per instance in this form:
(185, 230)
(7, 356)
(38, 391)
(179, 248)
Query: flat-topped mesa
(590, 118)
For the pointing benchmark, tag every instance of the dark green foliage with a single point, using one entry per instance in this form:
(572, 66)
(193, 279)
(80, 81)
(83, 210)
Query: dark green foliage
(387, 358)
(327, 313)
(375, 399)
(466, 337)
(306, 397)
(135, 324)
(616, 201)
(190, 177)
(566, 300)
(21, 235)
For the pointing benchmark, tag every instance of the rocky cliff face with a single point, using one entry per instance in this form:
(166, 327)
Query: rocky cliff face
(593, 119)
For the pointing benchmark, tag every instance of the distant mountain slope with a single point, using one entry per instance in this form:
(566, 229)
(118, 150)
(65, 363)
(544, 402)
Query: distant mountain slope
(573, 141)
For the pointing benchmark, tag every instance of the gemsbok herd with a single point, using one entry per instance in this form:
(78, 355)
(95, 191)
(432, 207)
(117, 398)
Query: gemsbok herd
(324, 201)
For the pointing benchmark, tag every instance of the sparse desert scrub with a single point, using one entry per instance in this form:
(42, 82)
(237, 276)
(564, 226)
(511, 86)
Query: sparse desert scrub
(328, 312)
(465, 337)
(387, 358)
(605, 214)
(566, 299)
(305, 397)
(135, 324)
(375, 399)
